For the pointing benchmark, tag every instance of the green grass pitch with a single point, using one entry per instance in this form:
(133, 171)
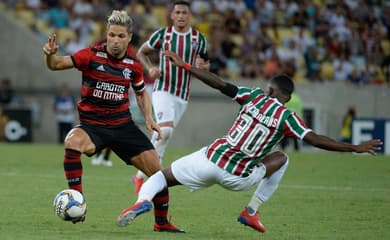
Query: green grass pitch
(322, 196)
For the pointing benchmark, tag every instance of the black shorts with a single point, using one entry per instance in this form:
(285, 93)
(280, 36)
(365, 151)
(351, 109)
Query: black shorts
(126, 140)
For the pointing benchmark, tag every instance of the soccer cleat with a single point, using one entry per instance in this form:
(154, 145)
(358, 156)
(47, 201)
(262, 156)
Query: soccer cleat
(79, 219)
(251, 221)
(129, 214)
(137, 183)
(97, 160)
(167, 227)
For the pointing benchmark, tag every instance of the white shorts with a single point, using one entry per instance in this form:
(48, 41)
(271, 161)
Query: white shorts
(197, 172)
(168, 108)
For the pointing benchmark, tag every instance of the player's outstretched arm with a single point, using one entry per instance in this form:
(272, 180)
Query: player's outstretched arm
(54, 62)
(207, 77)
(143, 55)
(330, 144)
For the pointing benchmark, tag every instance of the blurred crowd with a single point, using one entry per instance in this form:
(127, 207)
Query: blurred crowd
(310, 40)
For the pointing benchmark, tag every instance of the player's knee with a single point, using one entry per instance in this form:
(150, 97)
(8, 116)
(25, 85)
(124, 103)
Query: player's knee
(281, 157)
(71, 141)
(275, 161)
(169, 177)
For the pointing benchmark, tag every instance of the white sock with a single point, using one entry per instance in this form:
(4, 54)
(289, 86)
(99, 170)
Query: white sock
(266, 188)
(155, 184)
(140, 174)
(254, 204)
(159, 145)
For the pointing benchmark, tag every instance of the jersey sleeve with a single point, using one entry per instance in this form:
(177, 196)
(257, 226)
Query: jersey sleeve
(245, 94)
(154, 40)
(203, 47)
(82, 58)
(295, 127)
(138, 84)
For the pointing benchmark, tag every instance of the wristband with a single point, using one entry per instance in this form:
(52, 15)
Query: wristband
(187, 66)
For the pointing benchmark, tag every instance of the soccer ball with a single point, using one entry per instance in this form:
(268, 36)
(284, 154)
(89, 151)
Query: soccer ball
(69, 204)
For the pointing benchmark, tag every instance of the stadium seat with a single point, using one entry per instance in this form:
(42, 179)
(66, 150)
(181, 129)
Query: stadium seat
(63, 34)
(26, 16)
(299, 76)
(43, 27)
(284, 33)
(327, 71)
(2, 6)
(140, 9)
(160, 13)
(237, 39)
(385, 44)
(97, 32)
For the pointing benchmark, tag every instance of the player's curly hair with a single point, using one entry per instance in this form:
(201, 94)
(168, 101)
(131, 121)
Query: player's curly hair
(284, 83)
(121, 18)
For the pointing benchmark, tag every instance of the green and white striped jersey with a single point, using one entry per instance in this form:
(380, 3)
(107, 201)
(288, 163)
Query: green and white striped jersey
(261, 124)
(188, 46)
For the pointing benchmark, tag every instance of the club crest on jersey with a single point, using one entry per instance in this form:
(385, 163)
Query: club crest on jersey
(126, 73)
(194, 44)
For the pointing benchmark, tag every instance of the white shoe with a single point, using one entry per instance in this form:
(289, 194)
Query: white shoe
(97, 160)
(106, 163)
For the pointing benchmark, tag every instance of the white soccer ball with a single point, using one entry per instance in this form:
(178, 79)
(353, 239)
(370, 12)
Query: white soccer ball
(69, 204)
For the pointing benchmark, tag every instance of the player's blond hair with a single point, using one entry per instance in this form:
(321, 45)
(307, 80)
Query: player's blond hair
(121, 18)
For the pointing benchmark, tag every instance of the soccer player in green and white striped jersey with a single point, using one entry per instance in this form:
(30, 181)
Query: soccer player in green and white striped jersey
(244, 157)
(171, 90)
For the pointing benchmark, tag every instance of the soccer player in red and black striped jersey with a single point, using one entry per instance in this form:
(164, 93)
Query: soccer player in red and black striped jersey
(244, 157)
(171, 90)
(108, 71)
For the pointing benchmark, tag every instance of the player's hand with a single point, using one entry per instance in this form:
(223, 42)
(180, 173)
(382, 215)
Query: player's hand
(176, 60)
(202, 64)
(154, 72)
(370, 147)
(51, 46)
(153, 126)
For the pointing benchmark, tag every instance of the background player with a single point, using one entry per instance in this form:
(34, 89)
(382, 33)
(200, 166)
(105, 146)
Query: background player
(108, 71)
(102, 157)
(242, 158)
(171, 90)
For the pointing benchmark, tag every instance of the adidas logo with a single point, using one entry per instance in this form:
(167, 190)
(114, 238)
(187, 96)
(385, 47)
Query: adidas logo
(101, 68)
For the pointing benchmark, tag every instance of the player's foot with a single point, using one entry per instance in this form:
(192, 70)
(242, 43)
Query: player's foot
(167, 227)
(79, 219)
(251, 221)
(107, 163)
(97, 160)
(129, 214)
(137, 183)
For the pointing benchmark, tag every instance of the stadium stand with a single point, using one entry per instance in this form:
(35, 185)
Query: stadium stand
(34, 84)
(327, 25)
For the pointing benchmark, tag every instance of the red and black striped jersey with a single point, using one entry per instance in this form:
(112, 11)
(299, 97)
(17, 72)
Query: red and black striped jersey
(105, 85)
